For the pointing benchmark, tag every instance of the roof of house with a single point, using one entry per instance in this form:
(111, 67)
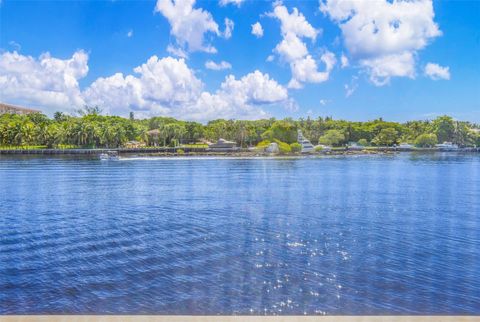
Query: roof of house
(8, 108)
(154, 132)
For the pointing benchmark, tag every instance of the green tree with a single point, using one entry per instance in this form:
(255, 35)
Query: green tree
(444, 128)
(284, 131)
(426, 140)
(386, 137)
(332, 137)
(283, 147)
(296, 147)
(363, 142)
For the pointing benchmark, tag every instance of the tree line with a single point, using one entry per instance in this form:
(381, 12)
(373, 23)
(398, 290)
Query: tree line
(90, 129)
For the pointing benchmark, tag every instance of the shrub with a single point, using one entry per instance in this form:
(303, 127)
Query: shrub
(332, 137)
(296, 147)
(426, 140)
(180, 151)
(318, 148)
(263, 144)
(387, 136)
(281, 130)
(363, 142)
(283, 147)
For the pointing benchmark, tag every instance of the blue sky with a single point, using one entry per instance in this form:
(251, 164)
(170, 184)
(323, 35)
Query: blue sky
(406, 61)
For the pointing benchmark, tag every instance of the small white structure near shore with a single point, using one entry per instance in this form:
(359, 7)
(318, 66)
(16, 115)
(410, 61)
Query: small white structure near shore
(405, 146)
(272, 148)
(307, 146)
(447, 146)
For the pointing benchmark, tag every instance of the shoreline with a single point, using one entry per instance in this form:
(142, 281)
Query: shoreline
(243, 153)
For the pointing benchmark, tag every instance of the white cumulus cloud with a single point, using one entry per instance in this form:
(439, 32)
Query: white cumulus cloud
(293, 50)
(344, 61)
(218, 66)
(235, 2)
(384, 36)
(257, 30)
(160, 86)
(437, 72)
(45, 81)
(188, 24)
(229, 25)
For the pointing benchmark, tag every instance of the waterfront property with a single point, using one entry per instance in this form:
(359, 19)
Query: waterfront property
(12, 109)
(223, 145)
(447, 146)
(305, 143)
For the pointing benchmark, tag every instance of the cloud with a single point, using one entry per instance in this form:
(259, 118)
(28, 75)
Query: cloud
(44, 81)
(257, 30)
(382, 68)
(344, 61)
(352, 87)
(293, 50)
(437, 72)
(239, 98)
(384, 36)
(15, 45)
(160, 86)
(188, 25)
(270, 58)
(305, 70)
(229, 25)
(169, 87)
(176, 51)
(235, 2)
(130, 33)
(254, 88)
(218, 66)
(294, 22)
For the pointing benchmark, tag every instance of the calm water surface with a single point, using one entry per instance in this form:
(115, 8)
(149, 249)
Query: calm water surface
(357, 235)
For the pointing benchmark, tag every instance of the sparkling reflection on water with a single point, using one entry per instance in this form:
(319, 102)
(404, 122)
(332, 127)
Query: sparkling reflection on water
(357, 235)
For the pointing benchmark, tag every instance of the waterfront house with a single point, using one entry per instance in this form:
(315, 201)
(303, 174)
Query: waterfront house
(12, 109)
(153, 137)
(223, 145)
(134, 144)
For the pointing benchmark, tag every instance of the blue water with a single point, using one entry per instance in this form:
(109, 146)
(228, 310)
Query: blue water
(334, 235)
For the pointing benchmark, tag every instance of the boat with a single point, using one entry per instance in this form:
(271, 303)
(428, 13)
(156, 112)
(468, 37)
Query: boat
(354, 146)
(109, 155)
(307, 146)
(405, 146)
(323, 148)
(447, 146)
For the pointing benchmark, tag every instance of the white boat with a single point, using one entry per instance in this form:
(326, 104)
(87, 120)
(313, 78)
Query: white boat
(109, 155)
(355, 146)
(447, 146)
(405, 146)
(307, 146)
(323, 148)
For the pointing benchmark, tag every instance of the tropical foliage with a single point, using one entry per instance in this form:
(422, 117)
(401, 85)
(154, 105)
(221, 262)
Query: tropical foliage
(90, 129)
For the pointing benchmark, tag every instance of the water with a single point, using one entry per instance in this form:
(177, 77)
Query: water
(355, 235)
